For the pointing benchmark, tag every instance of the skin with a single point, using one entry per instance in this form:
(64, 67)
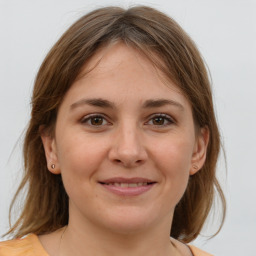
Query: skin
(94, 142)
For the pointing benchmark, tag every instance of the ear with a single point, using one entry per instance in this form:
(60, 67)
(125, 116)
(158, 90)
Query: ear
(50, 150)
(200, 150)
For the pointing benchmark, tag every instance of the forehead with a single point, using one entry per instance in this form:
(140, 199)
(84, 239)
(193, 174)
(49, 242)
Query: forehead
(116, 58)
(112, 56)
(118, 71)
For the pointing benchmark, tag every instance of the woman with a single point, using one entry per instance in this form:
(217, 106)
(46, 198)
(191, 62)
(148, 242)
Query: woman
(121, 149)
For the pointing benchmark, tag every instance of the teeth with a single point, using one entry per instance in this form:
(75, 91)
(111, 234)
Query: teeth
(126, 185)
(133, 185)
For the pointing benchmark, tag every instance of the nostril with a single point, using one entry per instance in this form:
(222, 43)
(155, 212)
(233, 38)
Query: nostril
(128, 163)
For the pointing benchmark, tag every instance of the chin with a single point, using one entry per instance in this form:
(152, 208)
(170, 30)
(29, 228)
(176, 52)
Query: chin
(130, 221)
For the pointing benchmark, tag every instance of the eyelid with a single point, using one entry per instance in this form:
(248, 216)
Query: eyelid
(86, 118)
(167, 117)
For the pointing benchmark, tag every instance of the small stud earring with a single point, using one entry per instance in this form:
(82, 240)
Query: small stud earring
(53, 166)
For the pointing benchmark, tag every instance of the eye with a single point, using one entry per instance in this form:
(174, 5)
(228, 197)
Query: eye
(160, 120)
(95, 120)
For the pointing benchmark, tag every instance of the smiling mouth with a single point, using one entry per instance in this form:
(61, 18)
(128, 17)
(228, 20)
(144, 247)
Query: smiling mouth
(127, 185)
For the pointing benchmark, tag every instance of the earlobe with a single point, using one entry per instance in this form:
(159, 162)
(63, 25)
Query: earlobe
(50, 150)
(200, 150)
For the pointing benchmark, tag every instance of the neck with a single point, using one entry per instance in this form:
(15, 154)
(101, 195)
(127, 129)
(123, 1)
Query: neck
(89, 240)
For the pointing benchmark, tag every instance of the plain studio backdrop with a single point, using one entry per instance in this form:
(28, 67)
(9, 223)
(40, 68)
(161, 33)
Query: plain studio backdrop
(225, 33)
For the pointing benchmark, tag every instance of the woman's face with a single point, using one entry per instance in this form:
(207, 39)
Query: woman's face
(125, 144)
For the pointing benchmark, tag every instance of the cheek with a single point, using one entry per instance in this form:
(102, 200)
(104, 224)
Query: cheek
(80, 157)
(176, 154)
(78, 164)
(174, 161)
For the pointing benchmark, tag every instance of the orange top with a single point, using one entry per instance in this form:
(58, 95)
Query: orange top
(31, 246)
(196, 251)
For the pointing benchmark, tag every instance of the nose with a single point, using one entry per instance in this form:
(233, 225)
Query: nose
(127, 148)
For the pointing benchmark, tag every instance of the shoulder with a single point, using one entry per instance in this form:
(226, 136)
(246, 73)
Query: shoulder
(187, 249)
(27, 246)
(198, 252)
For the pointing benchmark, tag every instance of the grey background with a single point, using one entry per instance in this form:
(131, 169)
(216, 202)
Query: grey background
(225, 32)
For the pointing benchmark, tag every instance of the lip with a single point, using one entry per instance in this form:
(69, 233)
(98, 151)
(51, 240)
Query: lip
(143, 185)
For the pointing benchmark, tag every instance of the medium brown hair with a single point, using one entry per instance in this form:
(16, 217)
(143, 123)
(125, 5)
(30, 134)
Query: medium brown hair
(153, 34)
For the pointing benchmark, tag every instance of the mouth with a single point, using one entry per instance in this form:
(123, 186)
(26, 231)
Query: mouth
(128, 187)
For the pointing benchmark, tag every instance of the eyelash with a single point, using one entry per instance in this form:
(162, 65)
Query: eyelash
(166, 117)
(90, 117)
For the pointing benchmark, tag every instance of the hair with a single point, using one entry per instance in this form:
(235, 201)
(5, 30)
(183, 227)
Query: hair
(158, 37)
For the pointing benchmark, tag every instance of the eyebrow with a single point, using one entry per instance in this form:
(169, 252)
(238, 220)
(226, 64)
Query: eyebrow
(156, 103)
(103, 103)
(97, 102)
